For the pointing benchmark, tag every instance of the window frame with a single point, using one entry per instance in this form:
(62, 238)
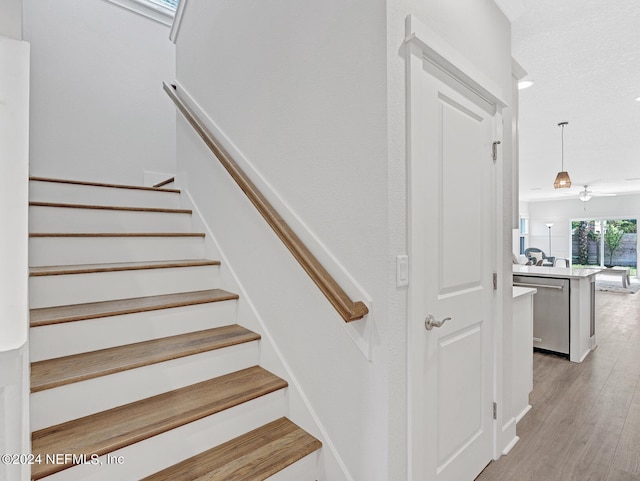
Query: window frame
(149, 9)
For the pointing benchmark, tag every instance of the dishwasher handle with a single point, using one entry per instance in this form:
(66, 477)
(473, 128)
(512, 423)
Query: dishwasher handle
(521, 284)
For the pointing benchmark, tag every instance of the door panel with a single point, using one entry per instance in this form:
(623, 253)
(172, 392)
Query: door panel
(460, 260)
(460, 420)
(453, 185)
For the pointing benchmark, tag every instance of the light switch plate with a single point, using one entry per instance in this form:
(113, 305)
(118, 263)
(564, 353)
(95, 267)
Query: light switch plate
(402, 270)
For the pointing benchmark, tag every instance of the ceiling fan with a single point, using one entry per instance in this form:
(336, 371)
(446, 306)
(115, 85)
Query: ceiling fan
(586, 194)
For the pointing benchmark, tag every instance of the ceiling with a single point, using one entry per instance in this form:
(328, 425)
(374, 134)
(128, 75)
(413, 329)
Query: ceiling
(584, 57)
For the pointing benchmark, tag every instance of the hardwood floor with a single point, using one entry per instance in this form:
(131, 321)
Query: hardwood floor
(585, 421)
(122, 426)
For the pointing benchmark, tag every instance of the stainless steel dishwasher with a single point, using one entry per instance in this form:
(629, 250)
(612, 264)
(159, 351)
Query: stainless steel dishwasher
(551, 312)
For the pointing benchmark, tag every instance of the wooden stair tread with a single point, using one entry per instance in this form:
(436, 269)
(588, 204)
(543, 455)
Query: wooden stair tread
(117, 267)
(110, 207)
(251, 457)
(102, 184)
(93, 310)
(52, 373)
(122, 426)
(116, 234)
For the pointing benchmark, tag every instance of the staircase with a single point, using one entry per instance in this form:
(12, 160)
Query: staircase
(139, 370)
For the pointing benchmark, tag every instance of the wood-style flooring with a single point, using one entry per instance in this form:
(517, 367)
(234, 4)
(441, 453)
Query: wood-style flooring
(264, 452)
(585, 421)
(108, 431)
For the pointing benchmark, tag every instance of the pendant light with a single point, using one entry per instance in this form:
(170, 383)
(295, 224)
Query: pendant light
(562, 179)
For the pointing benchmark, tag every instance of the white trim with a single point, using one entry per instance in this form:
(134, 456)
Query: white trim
(14, 131)
(177, 20)
(422, 44)
(523, 412)
(147, 9)
(517, 73)
(14, 410)
(516, 70)
(510, 446)
(362, 334)
(15, 433)
(512, 9)
(509, 432)
(450, 61)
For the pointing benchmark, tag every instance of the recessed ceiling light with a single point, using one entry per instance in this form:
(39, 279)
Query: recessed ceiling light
(637, 98)
(523, 84)
(633, 178)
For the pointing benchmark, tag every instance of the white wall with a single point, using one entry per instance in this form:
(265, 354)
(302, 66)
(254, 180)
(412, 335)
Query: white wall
(14, 164)
(312, 97)
(562, 212)
(299, 89)
(480, 32)
(14, 309)
(98, 111)
(11, 19)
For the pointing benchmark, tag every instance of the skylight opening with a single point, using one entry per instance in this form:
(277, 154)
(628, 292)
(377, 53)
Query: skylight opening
(162, 11)
(171, 4)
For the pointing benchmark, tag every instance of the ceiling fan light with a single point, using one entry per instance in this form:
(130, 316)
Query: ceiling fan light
(562, 181)
(585, 195)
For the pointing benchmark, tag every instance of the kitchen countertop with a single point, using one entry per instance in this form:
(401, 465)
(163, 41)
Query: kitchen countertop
(562, 272)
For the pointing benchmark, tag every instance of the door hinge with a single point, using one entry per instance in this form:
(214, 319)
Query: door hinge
(495, 151)
(495, 410)
(495, 281)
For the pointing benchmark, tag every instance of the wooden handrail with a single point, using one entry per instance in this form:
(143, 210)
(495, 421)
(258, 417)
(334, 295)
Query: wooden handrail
(348, 309)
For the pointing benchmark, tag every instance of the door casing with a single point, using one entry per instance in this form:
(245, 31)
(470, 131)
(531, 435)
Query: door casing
(423, 44)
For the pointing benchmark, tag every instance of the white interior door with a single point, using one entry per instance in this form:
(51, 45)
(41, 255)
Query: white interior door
(452, 252)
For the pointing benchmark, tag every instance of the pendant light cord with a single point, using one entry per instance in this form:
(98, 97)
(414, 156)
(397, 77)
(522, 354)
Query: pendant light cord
(561, 125)
(562, 143)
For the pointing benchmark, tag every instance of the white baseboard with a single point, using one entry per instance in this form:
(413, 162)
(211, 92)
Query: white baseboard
(523, 412)
(510, 446)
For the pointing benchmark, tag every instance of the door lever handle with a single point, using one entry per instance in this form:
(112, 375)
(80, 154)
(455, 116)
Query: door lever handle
(430, 322)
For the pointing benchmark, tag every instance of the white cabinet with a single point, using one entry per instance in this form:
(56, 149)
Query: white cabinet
(522, 343)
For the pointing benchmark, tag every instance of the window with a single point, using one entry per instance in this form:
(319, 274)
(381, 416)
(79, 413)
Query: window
(605, 242)
(172, 4)
(524, 231)
(161, 11)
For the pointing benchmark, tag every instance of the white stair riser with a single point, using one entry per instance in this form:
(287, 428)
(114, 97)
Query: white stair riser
(40, 191)
(304, 470)
(61, 290)
(68, 338)
(159, 452)
(58, 251)
(64, 403)
(65, 219)
(83, 398)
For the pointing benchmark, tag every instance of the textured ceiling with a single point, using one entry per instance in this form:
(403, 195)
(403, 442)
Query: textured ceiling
(584, 56)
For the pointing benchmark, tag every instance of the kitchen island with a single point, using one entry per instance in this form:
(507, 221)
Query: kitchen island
(564, 308)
